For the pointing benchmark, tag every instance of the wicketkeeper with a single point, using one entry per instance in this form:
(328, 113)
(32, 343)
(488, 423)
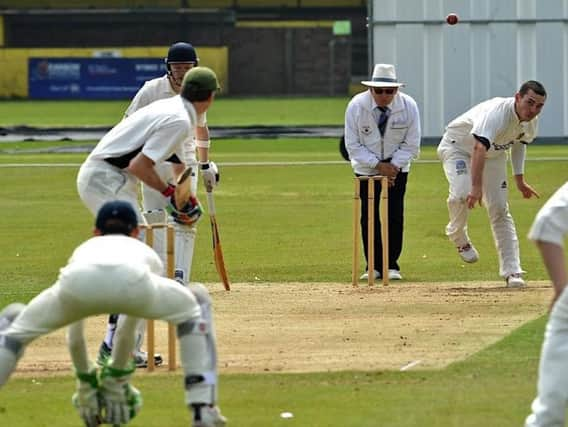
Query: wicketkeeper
(115, 272)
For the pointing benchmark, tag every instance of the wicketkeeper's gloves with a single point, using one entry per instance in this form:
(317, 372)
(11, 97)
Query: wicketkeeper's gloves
(86, 398)
(120, 401)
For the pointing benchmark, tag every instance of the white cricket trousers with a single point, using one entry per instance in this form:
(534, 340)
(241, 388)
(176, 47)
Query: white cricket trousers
(83, 290)
(549, 407)
(99, 182)
(457, 165)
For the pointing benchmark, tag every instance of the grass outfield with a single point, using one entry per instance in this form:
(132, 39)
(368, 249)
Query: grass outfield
(225, 111)
(278, 223)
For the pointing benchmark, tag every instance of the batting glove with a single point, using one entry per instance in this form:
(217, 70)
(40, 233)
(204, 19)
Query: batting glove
(86, 398)
(210, 174)
(119, 400)
(188, 214)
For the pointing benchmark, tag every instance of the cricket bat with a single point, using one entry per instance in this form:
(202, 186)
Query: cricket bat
(183, 188)
(217, 250)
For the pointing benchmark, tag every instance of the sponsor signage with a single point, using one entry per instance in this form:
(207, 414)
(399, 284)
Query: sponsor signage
(90, 78)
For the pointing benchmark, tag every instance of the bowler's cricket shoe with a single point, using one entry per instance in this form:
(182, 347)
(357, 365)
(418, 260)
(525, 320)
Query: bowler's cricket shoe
(9, 313)
(468, 253)
(207, 416)
(515, 280)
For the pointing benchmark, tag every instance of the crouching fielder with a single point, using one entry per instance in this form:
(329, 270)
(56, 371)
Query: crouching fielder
(114, 272)
(549, 231)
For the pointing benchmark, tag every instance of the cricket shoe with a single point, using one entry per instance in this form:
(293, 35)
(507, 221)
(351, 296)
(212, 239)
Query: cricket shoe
(365, 275)
(394, 274)
(9, 313)
(468, 253)
(141, 359)
(207, 416)
(104, 354)
(515, 280)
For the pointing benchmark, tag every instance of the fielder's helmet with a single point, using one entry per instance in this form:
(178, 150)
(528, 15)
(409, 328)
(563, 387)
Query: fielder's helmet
(182, 52)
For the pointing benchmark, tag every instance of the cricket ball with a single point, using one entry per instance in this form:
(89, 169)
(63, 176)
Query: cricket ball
(452, 19)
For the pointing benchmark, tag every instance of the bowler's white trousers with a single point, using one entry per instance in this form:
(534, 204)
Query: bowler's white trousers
(457, 167)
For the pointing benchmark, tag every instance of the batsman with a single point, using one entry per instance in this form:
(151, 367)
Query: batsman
(181, 58)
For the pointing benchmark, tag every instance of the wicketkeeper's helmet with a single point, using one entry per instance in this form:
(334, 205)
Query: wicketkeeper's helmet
(181, 52)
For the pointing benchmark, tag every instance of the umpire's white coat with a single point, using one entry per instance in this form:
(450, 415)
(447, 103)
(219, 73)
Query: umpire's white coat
(366, 147)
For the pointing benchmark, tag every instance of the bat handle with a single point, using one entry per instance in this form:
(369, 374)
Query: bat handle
(210, 203)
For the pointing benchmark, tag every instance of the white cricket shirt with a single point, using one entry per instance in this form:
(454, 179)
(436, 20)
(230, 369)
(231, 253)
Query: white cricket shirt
(117, 249)
(158, 130)
(495, 120)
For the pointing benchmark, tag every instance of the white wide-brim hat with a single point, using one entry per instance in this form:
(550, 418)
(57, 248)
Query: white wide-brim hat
(384, 75)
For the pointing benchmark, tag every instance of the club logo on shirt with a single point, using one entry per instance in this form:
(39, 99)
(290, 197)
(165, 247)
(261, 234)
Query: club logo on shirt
(461, 167)
(499, 147)
(366, 130)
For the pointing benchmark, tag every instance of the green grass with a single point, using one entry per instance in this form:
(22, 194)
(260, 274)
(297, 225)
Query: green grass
(278, 223)
(224, 112)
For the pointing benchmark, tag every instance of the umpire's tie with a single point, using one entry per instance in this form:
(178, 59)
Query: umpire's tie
(383, 119)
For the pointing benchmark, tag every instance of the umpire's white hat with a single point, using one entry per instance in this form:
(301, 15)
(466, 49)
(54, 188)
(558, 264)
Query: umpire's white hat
(384, 75)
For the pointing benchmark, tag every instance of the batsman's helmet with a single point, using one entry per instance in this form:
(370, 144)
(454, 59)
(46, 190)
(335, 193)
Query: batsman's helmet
(181, 52)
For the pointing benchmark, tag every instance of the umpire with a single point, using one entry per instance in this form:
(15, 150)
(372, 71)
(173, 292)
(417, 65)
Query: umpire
(382, 137)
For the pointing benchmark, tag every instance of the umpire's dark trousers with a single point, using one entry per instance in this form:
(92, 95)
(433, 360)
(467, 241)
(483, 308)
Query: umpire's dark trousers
(396, 221)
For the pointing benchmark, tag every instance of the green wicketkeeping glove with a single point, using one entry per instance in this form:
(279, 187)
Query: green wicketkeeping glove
(86, 398)
(119, 400)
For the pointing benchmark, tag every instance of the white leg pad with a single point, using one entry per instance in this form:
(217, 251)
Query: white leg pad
(184, 246)
(196, 359)
(158, 216)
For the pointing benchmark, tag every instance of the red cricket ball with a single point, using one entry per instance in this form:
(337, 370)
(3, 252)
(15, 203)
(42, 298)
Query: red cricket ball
(452, 19)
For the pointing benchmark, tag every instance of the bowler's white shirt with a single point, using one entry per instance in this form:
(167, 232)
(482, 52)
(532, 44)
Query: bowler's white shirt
(160, 129)
(495, 120)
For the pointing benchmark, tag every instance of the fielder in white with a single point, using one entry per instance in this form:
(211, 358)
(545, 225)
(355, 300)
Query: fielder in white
(115, 272)
(549, 231)
(181, 58)
(474, 152)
